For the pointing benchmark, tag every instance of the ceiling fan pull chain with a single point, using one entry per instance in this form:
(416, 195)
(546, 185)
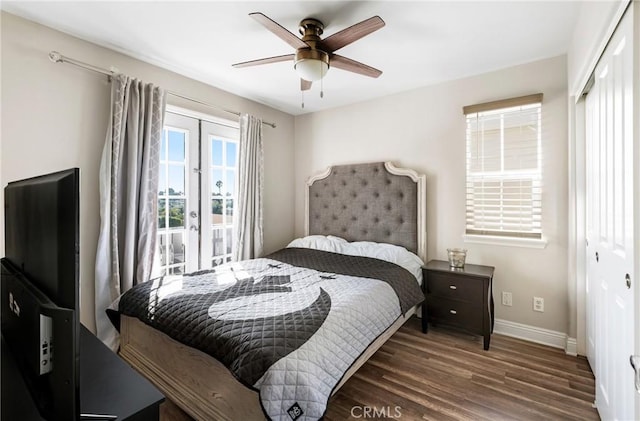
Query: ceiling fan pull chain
(321, 81)
(302, 96)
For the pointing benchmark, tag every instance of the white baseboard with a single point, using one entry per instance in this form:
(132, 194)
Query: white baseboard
(536, 334)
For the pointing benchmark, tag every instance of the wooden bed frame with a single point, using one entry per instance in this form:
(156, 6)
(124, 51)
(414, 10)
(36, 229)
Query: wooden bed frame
(199, 384)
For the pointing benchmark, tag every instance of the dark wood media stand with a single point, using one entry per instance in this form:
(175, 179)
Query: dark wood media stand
(108, 385)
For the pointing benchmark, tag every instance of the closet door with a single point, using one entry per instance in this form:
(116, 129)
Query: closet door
(592, 219)
(610, 231)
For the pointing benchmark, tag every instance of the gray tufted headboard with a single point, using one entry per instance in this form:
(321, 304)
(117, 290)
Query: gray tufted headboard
(369, 202)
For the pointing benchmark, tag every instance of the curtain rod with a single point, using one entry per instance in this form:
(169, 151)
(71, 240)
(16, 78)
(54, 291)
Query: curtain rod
(56, 57)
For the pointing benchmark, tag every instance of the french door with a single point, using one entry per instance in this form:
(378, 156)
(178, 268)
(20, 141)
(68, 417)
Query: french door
(610, 227)
(196, 194)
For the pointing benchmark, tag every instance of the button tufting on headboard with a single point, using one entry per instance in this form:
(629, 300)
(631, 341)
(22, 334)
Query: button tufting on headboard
(366, 202)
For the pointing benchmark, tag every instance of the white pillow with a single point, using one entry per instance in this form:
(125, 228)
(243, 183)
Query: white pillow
(388, 252)
(319, 242)
(383, 251)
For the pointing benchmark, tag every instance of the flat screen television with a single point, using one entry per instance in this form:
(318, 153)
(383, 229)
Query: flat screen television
(40, 288)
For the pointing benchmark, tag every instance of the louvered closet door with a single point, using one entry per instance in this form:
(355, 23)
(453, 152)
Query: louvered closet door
(610, 234)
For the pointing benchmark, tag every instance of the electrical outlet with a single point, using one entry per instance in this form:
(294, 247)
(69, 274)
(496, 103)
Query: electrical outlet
(507, 299)
(538, 304)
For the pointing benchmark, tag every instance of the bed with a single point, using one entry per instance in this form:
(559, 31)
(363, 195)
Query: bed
(346, 205)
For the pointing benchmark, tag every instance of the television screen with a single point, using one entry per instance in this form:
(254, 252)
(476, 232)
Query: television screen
(40, 286)
(41, 233)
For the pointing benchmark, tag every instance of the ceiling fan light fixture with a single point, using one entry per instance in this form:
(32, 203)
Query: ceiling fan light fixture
(311, 64)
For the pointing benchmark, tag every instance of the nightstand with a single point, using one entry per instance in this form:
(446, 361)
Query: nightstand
(461, 298)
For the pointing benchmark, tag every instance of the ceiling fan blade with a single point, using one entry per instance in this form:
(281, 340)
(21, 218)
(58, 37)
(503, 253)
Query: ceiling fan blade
(267, 60)
(280, 31)
(349, 65)
(305, 85)
(352, 34)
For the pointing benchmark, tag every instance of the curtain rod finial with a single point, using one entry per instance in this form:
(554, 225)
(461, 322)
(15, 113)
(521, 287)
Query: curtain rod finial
(55, 56)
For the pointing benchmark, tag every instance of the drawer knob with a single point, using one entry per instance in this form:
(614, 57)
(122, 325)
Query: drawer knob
(453, 287)
(453, 312)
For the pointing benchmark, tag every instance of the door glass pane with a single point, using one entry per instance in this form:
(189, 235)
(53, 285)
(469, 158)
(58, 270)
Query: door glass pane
(217, 242)
(217, 183)
(162, 213)
(229, 211)
(176, 213)
(231, 154)
(162, 182)
(229, 189)
(229, 234)
(176, 180)
(216, 152)
(177, 248)
(216, 211)
(176, 146)
(163, 147)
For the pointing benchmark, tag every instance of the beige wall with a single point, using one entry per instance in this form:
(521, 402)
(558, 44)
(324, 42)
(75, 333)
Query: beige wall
(54, 116)
(424, 129)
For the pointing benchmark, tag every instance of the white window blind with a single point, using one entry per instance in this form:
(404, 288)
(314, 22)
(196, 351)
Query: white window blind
(504, 168)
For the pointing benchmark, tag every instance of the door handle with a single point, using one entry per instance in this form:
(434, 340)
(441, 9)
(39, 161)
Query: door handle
(627, 281)
(597, 257)
(193, 228)
(193, 214)
(635, 363)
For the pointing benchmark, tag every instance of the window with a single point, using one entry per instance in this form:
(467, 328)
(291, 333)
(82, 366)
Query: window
(198, 161)
(504, 168)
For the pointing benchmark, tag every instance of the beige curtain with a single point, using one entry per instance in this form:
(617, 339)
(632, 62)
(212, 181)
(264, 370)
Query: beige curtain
(128, 194)
(247, 228)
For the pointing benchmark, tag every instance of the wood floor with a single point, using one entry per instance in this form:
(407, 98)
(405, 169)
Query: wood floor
(446, 375)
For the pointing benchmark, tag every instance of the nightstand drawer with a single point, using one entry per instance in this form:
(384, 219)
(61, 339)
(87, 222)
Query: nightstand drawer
(457, 313)
(454, 287)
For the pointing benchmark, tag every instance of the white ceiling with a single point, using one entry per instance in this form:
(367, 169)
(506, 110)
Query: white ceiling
(423, 42)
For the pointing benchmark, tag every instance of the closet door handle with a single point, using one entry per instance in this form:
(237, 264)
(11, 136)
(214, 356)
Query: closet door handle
(627, 281)
(635, 363)
(453, 287)
(453, 312)
(597, 257)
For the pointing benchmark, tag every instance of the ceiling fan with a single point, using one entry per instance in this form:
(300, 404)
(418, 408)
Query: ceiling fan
(314, 55)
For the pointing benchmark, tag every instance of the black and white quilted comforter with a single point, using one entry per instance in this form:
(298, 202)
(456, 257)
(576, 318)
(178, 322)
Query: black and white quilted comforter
(288, 325)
